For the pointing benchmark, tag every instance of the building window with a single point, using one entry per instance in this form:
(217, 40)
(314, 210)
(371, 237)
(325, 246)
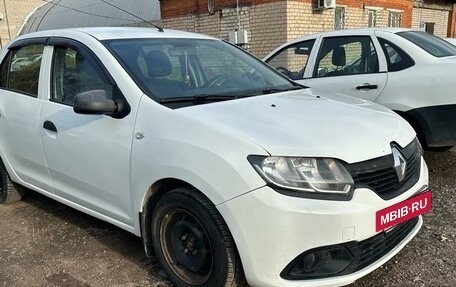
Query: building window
(339, 18)
(372, 18)
(210, 6)
(394, 19)
(429, 27)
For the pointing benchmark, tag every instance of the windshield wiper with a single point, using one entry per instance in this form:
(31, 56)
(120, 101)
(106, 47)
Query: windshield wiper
(199, 98)
(278, 90)
(275, 90)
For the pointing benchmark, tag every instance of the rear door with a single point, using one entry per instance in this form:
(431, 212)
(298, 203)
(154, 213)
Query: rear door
(88, 156)
(350, 65)
(20, 103)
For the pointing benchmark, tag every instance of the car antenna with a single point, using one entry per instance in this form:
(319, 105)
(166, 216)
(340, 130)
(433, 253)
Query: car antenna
(160, 29)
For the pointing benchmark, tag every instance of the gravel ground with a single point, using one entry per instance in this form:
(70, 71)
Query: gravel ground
(44, 243)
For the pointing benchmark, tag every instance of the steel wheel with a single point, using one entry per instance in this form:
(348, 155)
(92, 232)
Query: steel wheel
(192, 242)
(186, 246)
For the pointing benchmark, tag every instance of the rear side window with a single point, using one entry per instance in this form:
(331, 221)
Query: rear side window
(341, 56)
(21, 69)
(396, 58)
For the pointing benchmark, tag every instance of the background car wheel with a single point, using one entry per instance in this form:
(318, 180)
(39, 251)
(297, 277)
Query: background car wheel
(440, 148)
(192, 242)
(9, 191)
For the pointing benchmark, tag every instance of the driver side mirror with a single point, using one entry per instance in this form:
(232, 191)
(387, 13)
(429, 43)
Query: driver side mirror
(94, 102)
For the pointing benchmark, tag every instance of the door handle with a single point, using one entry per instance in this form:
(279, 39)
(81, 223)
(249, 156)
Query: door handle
(367, 86)
(48, 125)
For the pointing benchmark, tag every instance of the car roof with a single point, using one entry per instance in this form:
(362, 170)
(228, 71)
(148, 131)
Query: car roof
(354, 31)
(110, 33)
(348, 32)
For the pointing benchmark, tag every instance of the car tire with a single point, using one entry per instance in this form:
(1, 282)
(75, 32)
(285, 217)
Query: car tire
(193, 243)
(439, 149)
(9, 191)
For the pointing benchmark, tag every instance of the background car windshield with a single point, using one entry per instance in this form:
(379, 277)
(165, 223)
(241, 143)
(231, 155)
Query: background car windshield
(431, 44)
(170, 68)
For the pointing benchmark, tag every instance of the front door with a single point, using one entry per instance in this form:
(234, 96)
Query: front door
(88, 156)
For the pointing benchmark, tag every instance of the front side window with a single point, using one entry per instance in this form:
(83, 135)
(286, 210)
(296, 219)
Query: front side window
(75, 71)
(292, 60)
(430, 43)
(340, 56)
(21, 69)
(166, 69)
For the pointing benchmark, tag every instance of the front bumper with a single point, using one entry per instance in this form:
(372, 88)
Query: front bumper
(271, 230)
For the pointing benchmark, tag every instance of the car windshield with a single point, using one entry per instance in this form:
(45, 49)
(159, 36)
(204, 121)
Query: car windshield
(195, 70)
(431, 44)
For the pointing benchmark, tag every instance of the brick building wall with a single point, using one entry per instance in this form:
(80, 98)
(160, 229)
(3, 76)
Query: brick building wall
(438, 17)
(437, 13)
(304, 19)
(14, 16)
(271, 23)
(265, 23)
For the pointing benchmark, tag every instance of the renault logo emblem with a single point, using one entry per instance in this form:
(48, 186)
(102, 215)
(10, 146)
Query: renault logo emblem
(400, 164)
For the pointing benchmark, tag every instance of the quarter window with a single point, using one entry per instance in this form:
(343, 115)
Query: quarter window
(292, 60)
(396, 58)
(75, 71)
(341, 56)
(21, 69)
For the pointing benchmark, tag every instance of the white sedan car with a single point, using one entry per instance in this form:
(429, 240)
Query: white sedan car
(410, 72)
(221, 164)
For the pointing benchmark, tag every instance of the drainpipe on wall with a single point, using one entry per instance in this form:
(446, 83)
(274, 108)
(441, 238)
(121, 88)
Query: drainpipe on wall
(451, 31)
(7, 21)
(238, 16)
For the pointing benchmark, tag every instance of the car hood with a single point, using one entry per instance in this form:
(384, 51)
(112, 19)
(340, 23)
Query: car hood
(309, 123)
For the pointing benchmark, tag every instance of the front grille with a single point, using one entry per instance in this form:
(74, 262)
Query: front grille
(380, 176)
(374, 248)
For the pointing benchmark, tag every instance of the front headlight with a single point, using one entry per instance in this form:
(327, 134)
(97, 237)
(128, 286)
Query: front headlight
(310, 175)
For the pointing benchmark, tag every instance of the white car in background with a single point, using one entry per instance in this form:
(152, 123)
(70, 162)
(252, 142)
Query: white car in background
(410, 72)
(221, 164)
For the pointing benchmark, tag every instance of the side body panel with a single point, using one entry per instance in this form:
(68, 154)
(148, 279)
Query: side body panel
(201, 154)
(89, 155)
